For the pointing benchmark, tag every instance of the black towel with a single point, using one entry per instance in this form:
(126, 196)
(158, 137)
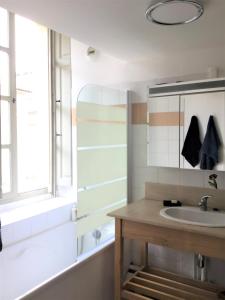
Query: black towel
(210, 147)
(192, 143)
(0, 238)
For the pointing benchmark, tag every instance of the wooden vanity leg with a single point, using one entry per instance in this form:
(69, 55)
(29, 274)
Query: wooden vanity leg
(118, 259)
(144, 254)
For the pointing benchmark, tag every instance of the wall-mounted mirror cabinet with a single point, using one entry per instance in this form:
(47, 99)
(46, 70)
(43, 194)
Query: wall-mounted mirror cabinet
(170, 111)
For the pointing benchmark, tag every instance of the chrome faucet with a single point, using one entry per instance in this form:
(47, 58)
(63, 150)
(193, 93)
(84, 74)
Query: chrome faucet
(203, 204)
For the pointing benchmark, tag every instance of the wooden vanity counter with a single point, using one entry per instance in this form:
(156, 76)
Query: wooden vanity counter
(142, 221)
(147, 212)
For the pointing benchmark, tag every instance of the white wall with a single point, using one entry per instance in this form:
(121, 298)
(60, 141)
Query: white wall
(99, 69)
(184, 65)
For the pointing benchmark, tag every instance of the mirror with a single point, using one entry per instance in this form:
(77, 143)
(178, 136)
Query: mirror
(202, 106)
(169, 121)
(163, 131)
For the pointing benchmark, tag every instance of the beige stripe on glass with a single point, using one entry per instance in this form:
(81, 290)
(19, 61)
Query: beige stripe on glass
(97, 112)
(83, 119)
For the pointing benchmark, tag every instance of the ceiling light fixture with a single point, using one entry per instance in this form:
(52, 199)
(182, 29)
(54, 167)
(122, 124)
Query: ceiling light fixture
(174, 12)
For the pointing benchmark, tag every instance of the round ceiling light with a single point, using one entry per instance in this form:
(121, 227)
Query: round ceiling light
(174, 12)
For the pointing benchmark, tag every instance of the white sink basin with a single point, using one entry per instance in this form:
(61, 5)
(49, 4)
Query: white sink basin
(194, 216)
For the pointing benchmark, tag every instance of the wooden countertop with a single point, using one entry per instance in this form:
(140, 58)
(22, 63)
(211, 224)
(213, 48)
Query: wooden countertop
(147, 212)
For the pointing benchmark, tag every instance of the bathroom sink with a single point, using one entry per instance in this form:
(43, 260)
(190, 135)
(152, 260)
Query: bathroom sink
(194, 216)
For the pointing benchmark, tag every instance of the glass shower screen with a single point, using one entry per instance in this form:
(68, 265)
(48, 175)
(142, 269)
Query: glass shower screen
(101, 163)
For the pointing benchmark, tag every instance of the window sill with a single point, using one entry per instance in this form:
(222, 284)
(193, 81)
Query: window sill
(25, 209)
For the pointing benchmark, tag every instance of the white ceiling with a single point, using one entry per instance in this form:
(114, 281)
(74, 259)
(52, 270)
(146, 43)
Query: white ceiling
(119, 27)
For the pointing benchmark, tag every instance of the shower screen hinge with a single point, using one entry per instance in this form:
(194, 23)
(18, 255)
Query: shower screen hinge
(81, 217)
(74, 214)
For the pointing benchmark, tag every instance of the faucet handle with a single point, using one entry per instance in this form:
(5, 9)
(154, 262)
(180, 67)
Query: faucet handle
(206, 197)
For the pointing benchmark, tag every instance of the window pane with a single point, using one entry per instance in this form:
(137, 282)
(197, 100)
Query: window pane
(4, 29)
(5, 122)
(4, 73)
(32, 105)
(6, 182)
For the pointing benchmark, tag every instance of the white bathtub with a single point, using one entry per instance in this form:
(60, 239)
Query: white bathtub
(38, 242)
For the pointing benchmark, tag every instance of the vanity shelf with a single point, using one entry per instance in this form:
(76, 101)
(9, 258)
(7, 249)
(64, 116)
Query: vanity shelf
(155, 284)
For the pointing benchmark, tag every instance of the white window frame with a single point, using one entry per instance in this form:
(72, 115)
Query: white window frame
(14, 195)
(59, 63)
(11, 100)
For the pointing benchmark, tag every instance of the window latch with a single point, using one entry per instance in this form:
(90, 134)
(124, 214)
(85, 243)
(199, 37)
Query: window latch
(75, 217)
(0, 238)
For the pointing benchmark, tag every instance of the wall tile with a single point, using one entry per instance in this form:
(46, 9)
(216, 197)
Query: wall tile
(158, 132)
(215, 267)
(22, 229)
(165, 258)
(59, 216)
(139, 113)
(138, 193)
(191, 178)
(139, 156)
(138, 92)
(139, 134)
(39, 224)
(187, 264)
(220, 179)
(7, 235)
(168, 175)
(143, 175)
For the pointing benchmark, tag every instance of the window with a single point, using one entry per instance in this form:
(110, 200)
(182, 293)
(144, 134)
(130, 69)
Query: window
(31, 50)
(25, 107)
(63, 120)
